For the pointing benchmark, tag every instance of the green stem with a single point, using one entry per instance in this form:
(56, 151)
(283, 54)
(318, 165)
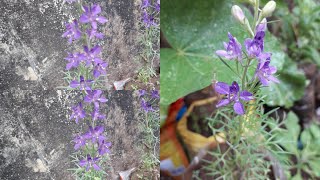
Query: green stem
(244, 75)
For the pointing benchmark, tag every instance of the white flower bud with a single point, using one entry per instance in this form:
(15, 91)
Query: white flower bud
(238, 14)
(268, 9)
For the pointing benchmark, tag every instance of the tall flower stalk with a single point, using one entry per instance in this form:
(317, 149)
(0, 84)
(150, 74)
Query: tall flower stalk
(86, 70)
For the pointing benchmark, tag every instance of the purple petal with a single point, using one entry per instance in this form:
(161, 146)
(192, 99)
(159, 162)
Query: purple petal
(238, 108)
(96, 9)
(84, 18)
(223, 102)
(222, 88)
(273, 79)
(83, 163)
(96, 167)
(222, 53)
(101, 19)
(74, 84)
(246, 96)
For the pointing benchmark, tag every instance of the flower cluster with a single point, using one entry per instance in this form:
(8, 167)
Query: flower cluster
(254, 50)
(146, 100)
(89, 66)
(150, 10)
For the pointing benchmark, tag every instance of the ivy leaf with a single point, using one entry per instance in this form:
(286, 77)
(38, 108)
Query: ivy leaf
(195, 30)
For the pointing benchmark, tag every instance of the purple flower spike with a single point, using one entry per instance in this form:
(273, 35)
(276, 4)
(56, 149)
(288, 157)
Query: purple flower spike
(78, 112)
(93, 55)
(93, 33)
(233, 95)
(148, 19)
(95, 134)
(90, 162)
(100, 69)
(155, 94)
(74, 60)
(95, 97)
(80, 141)
(90, 15)
(232, 49)
(82, 84)
(104, 147)
(73, 31)
(146, 106)
(255, 46)
(265, 73)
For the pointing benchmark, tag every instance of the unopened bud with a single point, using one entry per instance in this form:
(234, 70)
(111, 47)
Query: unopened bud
(268, 9)
(238, 14)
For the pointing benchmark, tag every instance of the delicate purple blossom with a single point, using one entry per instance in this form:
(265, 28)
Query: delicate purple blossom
(233, 95)
(96, 115)
(95, 134)
(146, 106)
(141, 92)
(100, 69)
(78, 112)
(73, 32)
(155, 94)
(255, 46)
(90, 15)
(90, 162)
(148, 19)
(82, 84)
(92, 55)
(157, 6)
(104, 147)
(265, 73)
(232, 49)
(95, 97)
(80, 141)
(93, 33)
(145, 4)
(74, 60)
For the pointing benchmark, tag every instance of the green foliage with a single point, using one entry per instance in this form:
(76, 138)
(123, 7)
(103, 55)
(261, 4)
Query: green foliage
(195, 31)
(248, 142)
(307, 158)
(299, 30)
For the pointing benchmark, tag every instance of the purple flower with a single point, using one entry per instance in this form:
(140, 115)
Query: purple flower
(104, 147)
(95, 134)
(141, 92)
(92, 55)
(145, 4)
(90, 162)
(233, 95)
(255, 46)
(155, 94)
(93, 33)
(90, 15)
(78, 112)
(80, 141)
(265, 73)
(146, 106)
(74, 60)
(73, 31)
(232, 49)
(96, 115)
(148, 19)
(157, 7)
(82, 84)
(95, 97)
(100, 68)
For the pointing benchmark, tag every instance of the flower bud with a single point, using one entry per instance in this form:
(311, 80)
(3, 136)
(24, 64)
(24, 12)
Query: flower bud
(253, 2)
(268, 9)
(238, 14)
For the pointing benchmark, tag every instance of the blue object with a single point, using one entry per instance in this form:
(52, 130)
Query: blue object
(299, 145)
(181, 112)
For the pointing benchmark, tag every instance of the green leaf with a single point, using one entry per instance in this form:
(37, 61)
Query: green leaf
(195, 30)
(290, 89)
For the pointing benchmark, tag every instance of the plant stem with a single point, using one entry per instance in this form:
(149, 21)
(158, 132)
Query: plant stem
(256, 13)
